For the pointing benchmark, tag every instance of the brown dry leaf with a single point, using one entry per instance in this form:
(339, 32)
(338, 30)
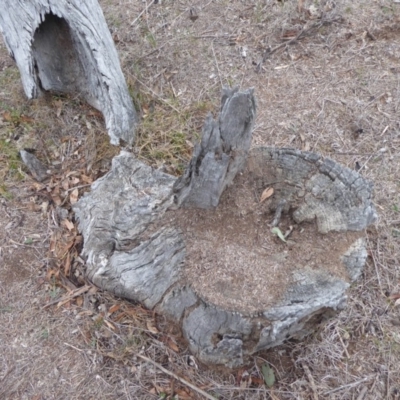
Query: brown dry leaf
(86, 179)
(65, 184)
(58, 104)
(268, 192)
(109, 324)
(306, 146)
(57, 199)
(73, 197)
(114, 308)
(93, 290)
(151, 326)
(68, 224)
(183, 394)
(67, 264)
(79, 301)
(255, 380)
(26, 119)
(52, 273)
(75, 293)
(7, 116)
(172, 345)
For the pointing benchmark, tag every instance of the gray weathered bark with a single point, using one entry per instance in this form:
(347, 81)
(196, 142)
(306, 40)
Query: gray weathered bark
(36, 168)
(221, 154)
(65, 47)
(132, 254)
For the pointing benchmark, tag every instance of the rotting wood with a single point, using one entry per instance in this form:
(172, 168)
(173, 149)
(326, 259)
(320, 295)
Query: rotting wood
(65, 47)
(132, 251)
(220, 155)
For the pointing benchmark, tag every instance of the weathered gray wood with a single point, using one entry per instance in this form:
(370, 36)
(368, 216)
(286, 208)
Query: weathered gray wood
(221, 154)
(337, 197)
(36, 168)
(65, 46)
(131, 253)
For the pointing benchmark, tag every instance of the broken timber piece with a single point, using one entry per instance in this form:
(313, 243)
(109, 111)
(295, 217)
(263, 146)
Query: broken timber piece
(64, 46)
(217, 270)
(221, 154)
(36, 168)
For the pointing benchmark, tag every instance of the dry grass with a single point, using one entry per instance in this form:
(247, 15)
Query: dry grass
(335, 90)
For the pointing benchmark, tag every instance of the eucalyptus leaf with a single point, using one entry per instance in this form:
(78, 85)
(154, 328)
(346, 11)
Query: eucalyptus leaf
(268, 374)
(276, 231)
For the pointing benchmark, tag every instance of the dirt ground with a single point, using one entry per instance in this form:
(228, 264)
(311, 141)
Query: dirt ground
(326, 78)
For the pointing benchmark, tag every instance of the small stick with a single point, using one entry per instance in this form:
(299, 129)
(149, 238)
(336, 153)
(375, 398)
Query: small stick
(216, 63)
(155, 94)
(344, 346)
(144, 10)
(185, 382)
(349, 385)
(62, 300)
(311, 380)
(278, 213)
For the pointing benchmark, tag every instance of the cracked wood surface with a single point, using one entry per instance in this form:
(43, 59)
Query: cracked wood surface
(130, 255)
(66, 47)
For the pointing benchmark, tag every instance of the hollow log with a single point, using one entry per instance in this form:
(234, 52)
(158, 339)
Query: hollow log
(65, 47)
(210, 261)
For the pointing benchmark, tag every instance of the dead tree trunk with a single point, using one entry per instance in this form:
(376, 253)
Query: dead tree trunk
(214, 266)
(65, 47)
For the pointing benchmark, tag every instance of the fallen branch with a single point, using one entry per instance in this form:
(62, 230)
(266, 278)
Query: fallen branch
(184, 381)
(62, 300)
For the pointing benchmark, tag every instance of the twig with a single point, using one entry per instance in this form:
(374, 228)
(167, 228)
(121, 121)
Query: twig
(216, 63)
(144, 10)
(278, 213)
(155, 94)
(363, 393)
(185, 382)
(311, 380)
(344, 346)
(78, 187)
(68, 297)
(304, 30)
(350, 385)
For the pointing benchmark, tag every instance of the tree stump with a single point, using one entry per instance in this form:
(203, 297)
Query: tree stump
(64, 46)
(240, 263)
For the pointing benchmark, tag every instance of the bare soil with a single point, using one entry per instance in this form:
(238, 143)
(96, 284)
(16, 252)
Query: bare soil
(327, 79)
(235, 262)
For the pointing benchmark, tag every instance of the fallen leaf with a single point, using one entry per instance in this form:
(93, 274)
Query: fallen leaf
(73, 197)
(109, 324)
(172, 345)
(255, 380)
(183, 394)
(26, 119)
(306, 146)
(79, 301)
(276, 231)
(268, 374)
(151, 327)
(268, 192)
(114, 308)
(68, 224)
(7, 116)
(67, 264)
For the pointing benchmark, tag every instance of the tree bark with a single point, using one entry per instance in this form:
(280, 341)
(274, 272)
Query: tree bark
(65, 47)
(132, 254)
